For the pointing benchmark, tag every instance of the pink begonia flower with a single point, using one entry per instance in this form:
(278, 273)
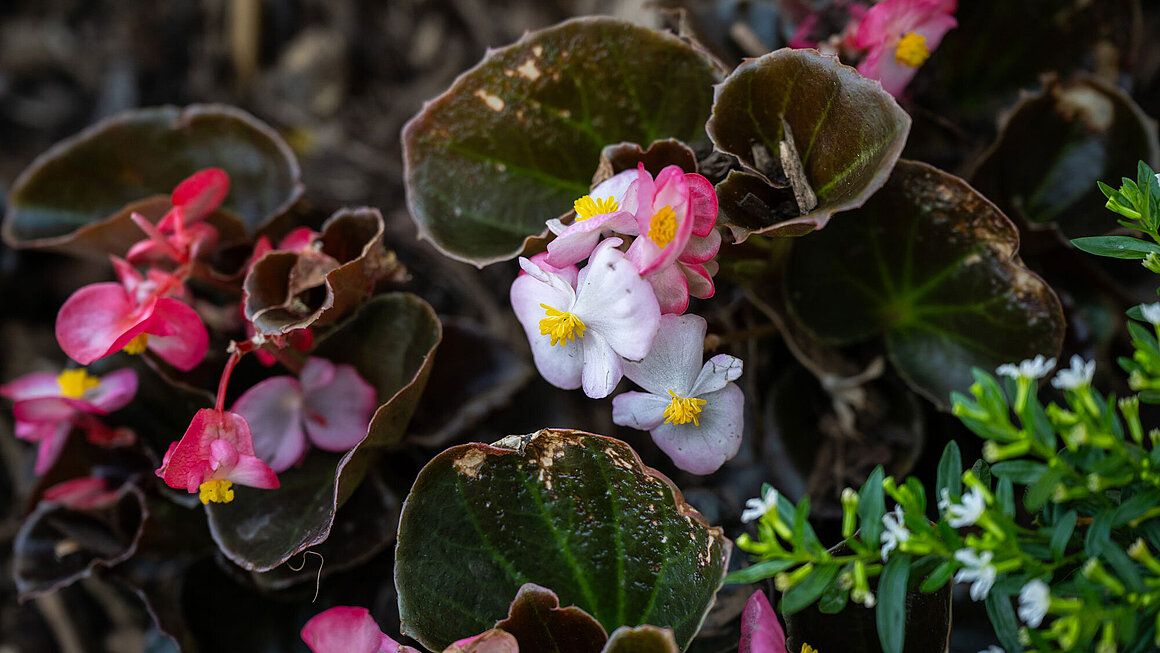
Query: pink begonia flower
(832, 30)
(597, 214)
(692, 411)
(676, 214)
(760, 630)
(181, 233)
(348, 629)
(578, 335)
(86, 492)
(900, 35)
(47, 406)
(328, 406)
(215, 452)
(136, 314)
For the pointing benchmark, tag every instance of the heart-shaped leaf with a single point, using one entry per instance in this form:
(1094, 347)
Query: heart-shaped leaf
(932, 266)
(288, 290)
(391, 342)
(58, 544)
(1056, 144)
(845, 133)
(88, 178)
(516, 139)
(574, 512)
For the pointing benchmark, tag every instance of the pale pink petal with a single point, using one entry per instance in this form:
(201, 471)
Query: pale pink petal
(273, 409)
(617, 186)
(177, 334)
(81, 493)
(602, 366)
(568, 272)
(675, 359)
(337, 415)
(561, 364)
(36, 384)
(698, 279)
(316, 373)
(577, 241)
(51, 446)
(614, 301)
(702, 449)
(671, 289)
(222, 457)
(760, 630)
(700, 249)
(640, 410)
(718, 371)
(348, 629)
(46, 409)
(884, 68)
(702, 204)
(114, 391)
(97, 320)
(251, 471)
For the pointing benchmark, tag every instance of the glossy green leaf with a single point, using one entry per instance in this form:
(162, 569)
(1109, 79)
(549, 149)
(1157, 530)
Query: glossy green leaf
(516, 139)
(391, 342)
(66, 193)
(1125, 247)
(846, 131)
(573, 512)
(871, 506)
(932, 266)
(1056, 145)
(891, 610)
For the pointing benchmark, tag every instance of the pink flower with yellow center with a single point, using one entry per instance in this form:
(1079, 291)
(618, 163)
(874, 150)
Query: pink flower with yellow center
(47, 406)
(216, 451)
(348, 629)
(900, 35)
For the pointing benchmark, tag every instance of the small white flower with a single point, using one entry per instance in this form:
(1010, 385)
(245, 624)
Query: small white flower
(1034, 599)
(965, 513)
(1151, 313)
(1080, 374)
(977, 570)
(993, 649)
(756, 508)
(895, 532)
(1036, 368)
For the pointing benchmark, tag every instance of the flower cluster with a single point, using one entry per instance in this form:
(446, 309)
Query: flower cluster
(890, 39)
(650, 244)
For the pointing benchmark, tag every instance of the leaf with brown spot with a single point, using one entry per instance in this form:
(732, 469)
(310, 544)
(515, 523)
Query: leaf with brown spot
(1054, 147)
(515, 140)
(846, 130)
(62, 200)
(538, 623)
(566, 510)
(932, 266)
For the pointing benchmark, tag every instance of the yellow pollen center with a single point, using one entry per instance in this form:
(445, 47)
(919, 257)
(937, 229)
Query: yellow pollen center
(911, 50)
(683, 411)
(586, 206)
(73, 383)
(562, 327)
(215, 491)
(662, 229)
(136, 345)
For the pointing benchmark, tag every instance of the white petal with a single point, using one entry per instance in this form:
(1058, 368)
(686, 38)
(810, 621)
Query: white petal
(602, 370)
(640, 410)
(560, 365)
(703, 449)
(615, 186)
(675, 358)
(718, 371)
(615, 302)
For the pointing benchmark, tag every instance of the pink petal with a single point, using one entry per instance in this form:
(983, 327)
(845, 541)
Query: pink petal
(760, 630)
(200, 193)
(671, 289)
(50, 447)
(98, 320)
(36, 384)
(337, 415)
(702, 449)
(700, 249)
(348, 629)
(578, 239)
(273, 409)
(222, 456)
(177, 334)
(251, 471)
(698, 279)
(114, 391)
(639, 410)
(702, 204)
(673, 191)
(187, 465)
(567, 272)
(46, 409)
(298, 239)
(81, 493)
(316, 373)
(616, 303)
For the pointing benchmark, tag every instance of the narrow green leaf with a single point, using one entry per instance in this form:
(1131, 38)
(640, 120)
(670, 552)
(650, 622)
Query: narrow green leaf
(810, 588)
(1125, 247)
(891, 609)
(939, 576)
(950, 471)
(1005, 496)
(871, 507)
(1023, 472)
(759, 571)
(1062, 533)
(1002, 616)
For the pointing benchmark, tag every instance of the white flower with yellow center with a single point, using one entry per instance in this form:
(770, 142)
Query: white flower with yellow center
(580, 335)
(693, 411)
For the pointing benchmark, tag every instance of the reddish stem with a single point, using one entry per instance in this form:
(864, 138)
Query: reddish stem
(237, 350)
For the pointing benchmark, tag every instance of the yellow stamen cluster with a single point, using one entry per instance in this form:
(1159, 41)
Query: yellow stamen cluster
(586, 207)
(73, 383)
(806, 648)
(911, 50)
(682, 411)
(137, 344)
(562, 327)
(215, 491)
(662, 229)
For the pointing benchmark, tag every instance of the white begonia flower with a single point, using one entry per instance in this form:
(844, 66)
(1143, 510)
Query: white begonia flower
(965, 513)
(895, 533)
(1079, 374)
(757, 507)
(1035, 368)
(977, 570)
(1151, 313)
(693, 411)
(1034, 600)
(579, 336)
(993, 649)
